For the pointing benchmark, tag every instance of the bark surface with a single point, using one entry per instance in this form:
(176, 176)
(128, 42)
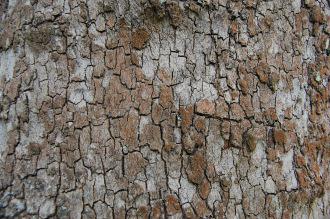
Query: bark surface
(164, 109)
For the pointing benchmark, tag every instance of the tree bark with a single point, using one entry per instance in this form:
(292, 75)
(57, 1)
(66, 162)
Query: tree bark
(164, 108)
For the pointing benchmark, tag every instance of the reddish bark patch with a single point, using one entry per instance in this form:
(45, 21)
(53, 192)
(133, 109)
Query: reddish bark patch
(139, 38)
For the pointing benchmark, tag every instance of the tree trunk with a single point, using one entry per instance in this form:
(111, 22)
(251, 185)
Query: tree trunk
(164, 108)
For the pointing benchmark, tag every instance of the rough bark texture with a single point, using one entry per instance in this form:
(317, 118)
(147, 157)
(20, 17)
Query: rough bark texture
(164, 109)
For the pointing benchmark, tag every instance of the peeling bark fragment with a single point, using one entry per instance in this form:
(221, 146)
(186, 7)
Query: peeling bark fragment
(128, 130)
(244, 86)
(204, 189)
(150, 135)
(172, 205)
(175, 13)
(205, 107)
(166, 97)
(139, 38)
(263, 72)
(317, 15)
(186, 117)
(280, 137)
(196, 168)
(251, 140)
